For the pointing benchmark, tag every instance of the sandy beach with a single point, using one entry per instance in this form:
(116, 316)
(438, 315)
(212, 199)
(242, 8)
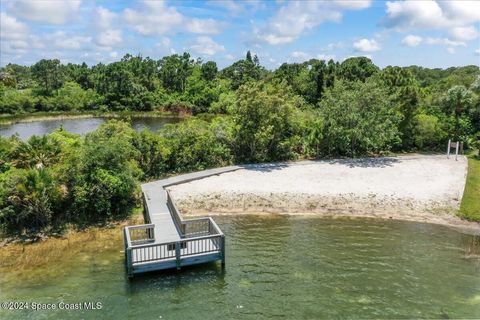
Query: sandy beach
(426, 188)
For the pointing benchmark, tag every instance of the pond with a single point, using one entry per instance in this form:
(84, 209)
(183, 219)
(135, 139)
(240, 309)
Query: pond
(277, 267)
(80, 126)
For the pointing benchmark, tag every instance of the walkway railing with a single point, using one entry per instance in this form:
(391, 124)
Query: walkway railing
(140, 234)
(199, 236)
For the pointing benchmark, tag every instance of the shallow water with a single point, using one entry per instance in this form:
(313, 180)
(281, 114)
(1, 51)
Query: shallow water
(277, 267)
(80, 126)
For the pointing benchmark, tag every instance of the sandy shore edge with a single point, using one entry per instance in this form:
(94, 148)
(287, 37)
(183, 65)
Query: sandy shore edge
(318, 206)
(421, 188)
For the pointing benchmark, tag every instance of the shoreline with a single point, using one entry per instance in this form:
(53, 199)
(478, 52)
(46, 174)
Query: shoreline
(450, 221)
(47, 116)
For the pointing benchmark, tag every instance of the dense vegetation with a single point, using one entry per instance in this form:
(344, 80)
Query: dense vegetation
(243, 113)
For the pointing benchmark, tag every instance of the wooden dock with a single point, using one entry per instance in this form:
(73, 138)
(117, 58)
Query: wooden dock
(166, 240)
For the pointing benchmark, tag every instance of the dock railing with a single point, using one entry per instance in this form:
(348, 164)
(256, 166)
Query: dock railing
(198, 236)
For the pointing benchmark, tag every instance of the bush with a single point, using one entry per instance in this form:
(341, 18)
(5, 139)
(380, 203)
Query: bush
(153, 154)
(194, 146)
(17, 101)
(427, 132)
(105, 186)
(359, 119)
(31, 201)
(264, 122)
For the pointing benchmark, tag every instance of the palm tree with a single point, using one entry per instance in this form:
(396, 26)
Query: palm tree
(37, 152)
(459, 99)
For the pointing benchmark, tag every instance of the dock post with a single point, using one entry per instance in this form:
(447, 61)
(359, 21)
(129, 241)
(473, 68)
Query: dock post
(448, 149)
(177, 254)
(128, 252)
(222, 248)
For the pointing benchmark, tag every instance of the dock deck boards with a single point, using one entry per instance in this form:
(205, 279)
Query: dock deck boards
(169, 248)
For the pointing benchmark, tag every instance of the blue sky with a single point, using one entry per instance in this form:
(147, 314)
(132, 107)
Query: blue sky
(427, 33)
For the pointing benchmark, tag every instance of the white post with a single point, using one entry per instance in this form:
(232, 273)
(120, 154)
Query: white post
(448, 149)
(456, 151)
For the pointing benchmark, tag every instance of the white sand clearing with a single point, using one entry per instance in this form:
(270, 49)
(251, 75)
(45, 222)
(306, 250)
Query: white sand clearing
(419, 188)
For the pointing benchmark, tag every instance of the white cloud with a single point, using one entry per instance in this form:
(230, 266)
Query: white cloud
(354, 5)
(334, 45)
(326, 57)
(300, 56)
(464, 33)
(229, 57)
(367, 45)
(62, 40)
(109, 38)
(414, 14)
(461, 12)
(15, 38)
(156, 18)
(445, 42)
(153, 18)
(297, 17)
(205, 46)
(477, 52)
(451, 50)
(429, 14)
(48, 11)
(236, 7)
(202, 26)
(233, 7)
(108, 35)
(412, 40)
(104, 18)
(11, 28)
(164, 46)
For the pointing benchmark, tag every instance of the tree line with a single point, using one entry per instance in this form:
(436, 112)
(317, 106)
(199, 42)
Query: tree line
(243, 113)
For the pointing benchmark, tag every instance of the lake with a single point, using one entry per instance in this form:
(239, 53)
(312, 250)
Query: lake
(80, 126)
(277, 267)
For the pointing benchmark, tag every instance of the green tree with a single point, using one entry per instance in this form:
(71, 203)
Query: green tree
(105, 186)
(194, 146)
(153, 154)
(244, 71)
(209, 70)
(357, 69)
(406, 96)
(457, 101)
(30, 201)
(49, 75)
(36, 152)
(174, 71)
(427, 133)
(263, 118)
(358, 119)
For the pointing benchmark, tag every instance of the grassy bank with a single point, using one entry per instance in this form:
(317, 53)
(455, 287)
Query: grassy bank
(20, 257)
(42, 116)
(470, 207)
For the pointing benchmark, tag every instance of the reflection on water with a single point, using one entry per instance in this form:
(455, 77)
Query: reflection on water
(278, 267)
(80, 126)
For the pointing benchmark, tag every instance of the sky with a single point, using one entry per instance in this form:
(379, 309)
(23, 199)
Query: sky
(427, 33)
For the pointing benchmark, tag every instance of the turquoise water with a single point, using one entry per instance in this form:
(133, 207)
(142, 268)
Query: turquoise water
(278, 268)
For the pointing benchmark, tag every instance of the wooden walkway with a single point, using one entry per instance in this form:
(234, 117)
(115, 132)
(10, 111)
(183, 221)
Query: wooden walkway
(167, 241)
